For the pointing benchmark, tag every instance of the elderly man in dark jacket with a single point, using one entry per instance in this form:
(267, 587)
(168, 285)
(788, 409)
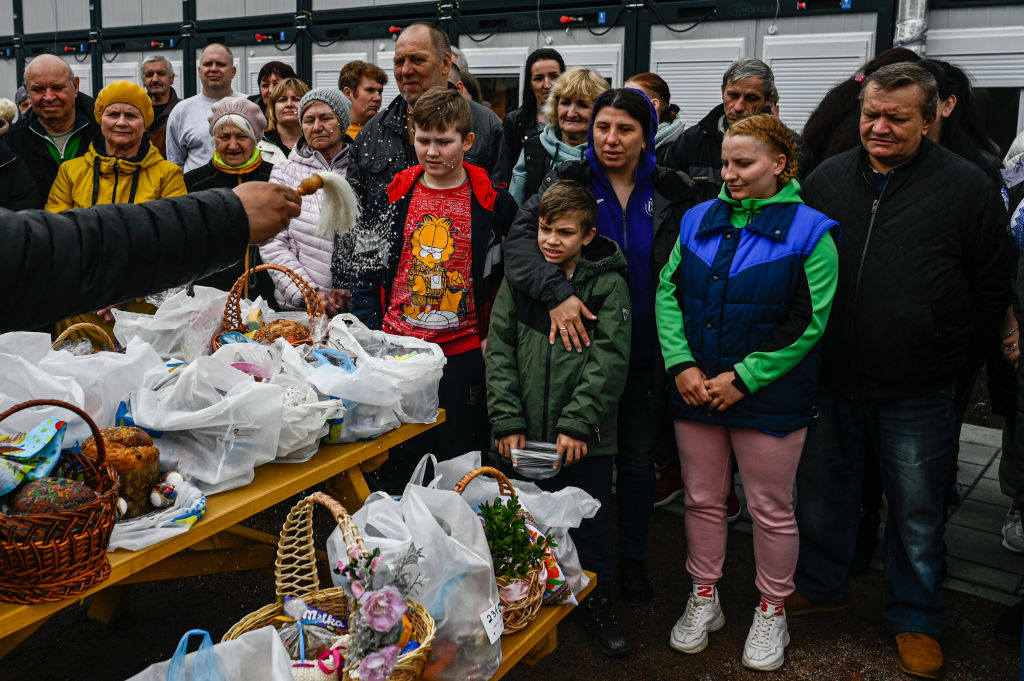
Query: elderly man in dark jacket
(382, 149)
(83, 260)
(748, 88)
(925, 266)
(60, 126)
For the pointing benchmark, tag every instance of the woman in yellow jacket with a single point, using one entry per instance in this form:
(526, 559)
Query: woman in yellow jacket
(121, 166)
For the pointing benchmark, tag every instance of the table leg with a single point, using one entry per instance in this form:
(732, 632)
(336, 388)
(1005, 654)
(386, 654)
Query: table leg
(106, 604)
(543, 648)
(350, 489)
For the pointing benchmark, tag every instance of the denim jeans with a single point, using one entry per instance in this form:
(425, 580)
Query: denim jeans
(914, 440)
(634, 463)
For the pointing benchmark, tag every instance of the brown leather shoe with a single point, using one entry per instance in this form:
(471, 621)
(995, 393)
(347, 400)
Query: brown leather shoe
(797, 604)
(919, 654)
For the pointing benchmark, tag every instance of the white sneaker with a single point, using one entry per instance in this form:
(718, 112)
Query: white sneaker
(766, 642)
(1013, 533)
(690, 633)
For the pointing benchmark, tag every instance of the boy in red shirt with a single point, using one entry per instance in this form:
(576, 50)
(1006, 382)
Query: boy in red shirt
(428, 264)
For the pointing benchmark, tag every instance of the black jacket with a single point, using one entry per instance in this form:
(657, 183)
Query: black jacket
(525, 266)
(382, 149)
(158, 128)
(28, 140)
(698, 153)
(924, 271)
(209, 177)
(82, 260)
(17, 190)
(517, 128)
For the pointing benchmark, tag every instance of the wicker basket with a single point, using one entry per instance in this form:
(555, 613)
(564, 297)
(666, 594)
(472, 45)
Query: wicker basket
(517, 615)
(85, 326)
(296, 575)
(233, 306)
(51, 557)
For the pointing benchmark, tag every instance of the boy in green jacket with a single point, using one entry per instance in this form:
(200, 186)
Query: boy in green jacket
(538, 391)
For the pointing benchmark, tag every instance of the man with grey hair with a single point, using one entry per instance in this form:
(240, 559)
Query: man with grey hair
(748, 88)
(60, 126)
(188, 127)
(158, 79)
(423, 59)
(924, 279)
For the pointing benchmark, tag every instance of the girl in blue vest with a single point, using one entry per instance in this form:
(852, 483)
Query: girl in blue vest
(741, 306)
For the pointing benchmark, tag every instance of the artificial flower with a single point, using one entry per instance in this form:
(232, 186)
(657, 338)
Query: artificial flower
(383, 609)
(379, 665)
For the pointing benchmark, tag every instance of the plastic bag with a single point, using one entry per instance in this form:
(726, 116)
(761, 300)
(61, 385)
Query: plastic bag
(133, 534)
(182, 327)
(97, 383)
(459, 586)
(555, 512)
(414, 370)
(368, 396)
(217, 423)
(304, 413)
(537, 460)
(254, 656)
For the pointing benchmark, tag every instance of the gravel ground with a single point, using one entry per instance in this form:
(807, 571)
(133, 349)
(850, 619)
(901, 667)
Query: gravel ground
(845, 646)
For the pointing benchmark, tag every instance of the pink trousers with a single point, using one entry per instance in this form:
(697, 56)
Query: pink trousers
(768, 467)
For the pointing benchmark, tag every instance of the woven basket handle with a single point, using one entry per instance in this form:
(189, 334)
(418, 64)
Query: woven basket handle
(101, 450)
(233, 305)
(84, 326)
(295, 570)
(504, 486)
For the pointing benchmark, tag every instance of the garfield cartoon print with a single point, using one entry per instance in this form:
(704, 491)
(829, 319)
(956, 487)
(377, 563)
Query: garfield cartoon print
(435, 291)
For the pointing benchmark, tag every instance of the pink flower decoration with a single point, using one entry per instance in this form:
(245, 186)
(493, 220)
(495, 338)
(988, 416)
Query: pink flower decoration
(383, 609)
(354, 553)
(379, 665)
(375, 563)
(358, 590)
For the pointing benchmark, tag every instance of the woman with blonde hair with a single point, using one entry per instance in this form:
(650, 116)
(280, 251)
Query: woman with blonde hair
(568, 110)
(283, 127)
(741, 307)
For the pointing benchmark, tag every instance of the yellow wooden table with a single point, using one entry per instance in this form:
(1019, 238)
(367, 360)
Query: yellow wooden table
(217, 543)
(540, 638)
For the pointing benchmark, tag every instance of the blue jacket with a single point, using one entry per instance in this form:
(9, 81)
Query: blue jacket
(738, 289)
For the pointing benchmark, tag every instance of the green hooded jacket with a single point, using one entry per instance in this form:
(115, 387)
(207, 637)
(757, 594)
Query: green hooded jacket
(540, 389)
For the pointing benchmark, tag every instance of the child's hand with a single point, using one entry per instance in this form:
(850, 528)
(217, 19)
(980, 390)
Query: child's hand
(723, 393)
(691, 385)
(573, 449)
(506, 444)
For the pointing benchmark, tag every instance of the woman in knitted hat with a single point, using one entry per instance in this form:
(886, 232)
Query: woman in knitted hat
(324, 116)
(236, 124)
(121, 166)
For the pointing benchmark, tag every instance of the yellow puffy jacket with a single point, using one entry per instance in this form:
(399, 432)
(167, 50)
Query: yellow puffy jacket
(94, 179)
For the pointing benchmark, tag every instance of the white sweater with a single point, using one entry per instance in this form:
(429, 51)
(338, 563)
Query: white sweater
(189, 143)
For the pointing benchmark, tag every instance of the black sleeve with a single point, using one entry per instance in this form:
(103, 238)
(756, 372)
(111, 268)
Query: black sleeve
(82, 260)
(23, 192)
(525, 266)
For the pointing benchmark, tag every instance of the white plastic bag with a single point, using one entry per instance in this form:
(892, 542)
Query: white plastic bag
(182, 327)
(459, 587)
(414, 379)
(137, 533)
(217, 423)
(304, 414)
(97, 383)
(555, 512)
(254, 656)
(370, 397)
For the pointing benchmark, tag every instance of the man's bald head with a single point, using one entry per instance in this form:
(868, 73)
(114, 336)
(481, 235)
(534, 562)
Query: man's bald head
(52, 89)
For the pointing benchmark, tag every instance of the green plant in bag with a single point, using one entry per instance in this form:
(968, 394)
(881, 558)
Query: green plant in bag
(513, 550)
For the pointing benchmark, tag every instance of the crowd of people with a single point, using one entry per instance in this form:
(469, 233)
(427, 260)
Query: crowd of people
(808, 312)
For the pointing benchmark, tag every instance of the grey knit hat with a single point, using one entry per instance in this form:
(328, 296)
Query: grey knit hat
(333, 98)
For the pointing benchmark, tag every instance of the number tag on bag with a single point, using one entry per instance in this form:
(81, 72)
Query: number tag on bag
(493, 624)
